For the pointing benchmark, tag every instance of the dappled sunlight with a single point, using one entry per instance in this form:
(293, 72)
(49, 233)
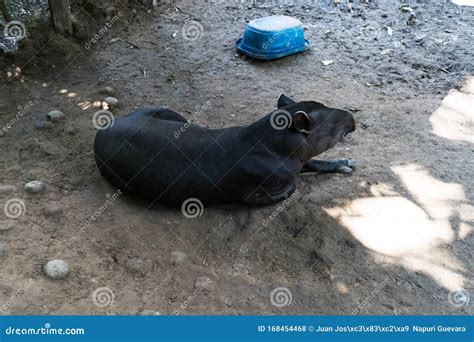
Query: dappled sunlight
(412, 231)
(454, 119)
(439, 199)
(392, 225)
(464, 2)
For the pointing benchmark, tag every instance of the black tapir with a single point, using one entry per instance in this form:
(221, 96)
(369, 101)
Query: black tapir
(253, 165)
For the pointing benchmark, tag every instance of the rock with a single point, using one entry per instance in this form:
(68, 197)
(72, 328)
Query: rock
(72, 130)
(177, 257)
(56, 269)
(55, 115)
(53, 209)
(202, 283)
(149, 313)
(107, 91)
(3, 248)
(43, 124)
(35, 187)
(79, 30)
(7, 189)
(110, 11)
(139, 266)
(7, 224)
(111, 101)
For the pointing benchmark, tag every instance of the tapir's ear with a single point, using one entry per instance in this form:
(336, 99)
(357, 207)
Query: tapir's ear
(284, 100)
(302, 122)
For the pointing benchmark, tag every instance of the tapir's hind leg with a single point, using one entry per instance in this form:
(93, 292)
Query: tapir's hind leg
(261, 197)
(341, 165)
(162, 114)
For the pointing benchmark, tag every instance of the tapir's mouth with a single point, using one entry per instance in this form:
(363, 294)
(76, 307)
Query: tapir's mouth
(344, 135)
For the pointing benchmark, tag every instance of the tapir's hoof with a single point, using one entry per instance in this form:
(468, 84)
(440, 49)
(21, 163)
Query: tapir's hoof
(344, 169)
(347, 165)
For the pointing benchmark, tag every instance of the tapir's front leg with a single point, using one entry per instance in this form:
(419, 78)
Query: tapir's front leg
(340, 165)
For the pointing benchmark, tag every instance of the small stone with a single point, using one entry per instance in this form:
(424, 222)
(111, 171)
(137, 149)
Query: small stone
(202, 283)
(72, 130)
(56, 269)
(139, 266)
(107, 91)
(35, 187)
(111, 101)
(42, 125)
(149, 313)
(55, 115)
(53, 209)
(110, 11)
(177, 257)
(7, 224)
(7, 189)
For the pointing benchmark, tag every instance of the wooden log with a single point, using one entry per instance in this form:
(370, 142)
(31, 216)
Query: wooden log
(5, 12)
(61, 16)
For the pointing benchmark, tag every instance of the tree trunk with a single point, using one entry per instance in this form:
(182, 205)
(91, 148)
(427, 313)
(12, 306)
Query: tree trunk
(5, 12)
(61, 16)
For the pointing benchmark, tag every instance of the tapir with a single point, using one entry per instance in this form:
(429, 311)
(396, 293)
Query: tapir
(256, 164)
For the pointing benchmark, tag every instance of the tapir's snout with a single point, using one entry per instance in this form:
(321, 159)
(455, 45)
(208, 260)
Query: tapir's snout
(348, 121)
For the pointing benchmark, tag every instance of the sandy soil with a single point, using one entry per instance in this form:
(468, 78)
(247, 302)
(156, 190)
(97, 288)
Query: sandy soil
(395, 237)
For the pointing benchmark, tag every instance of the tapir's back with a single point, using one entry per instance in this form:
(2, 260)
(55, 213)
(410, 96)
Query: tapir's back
(165, 160)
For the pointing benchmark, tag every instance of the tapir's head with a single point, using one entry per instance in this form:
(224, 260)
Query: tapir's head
(322, 127)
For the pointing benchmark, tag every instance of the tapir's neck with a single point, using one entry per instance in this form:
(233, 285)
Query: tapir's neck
(283, 142)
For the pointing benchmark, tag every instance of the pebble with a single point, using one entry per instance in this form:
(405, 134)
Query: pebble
(149, 313)
(177, 257)
(7, 189)
(56, 269)
(7, 224)
(41, 125)
(202, 283)
(55, 115)
(111, 101)
(53, 209)
(72, 130)
(107, 91)
(139, 266)
(35, 187)
(110, 11)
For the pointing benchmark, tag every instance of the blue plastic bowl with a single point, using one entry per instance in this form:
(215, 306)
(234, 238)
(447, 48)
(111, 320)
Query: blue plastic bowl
(273, 37)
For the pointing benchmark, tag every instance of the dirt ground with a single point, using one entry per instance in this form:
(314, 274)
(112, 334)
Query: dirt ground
(394, 237)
